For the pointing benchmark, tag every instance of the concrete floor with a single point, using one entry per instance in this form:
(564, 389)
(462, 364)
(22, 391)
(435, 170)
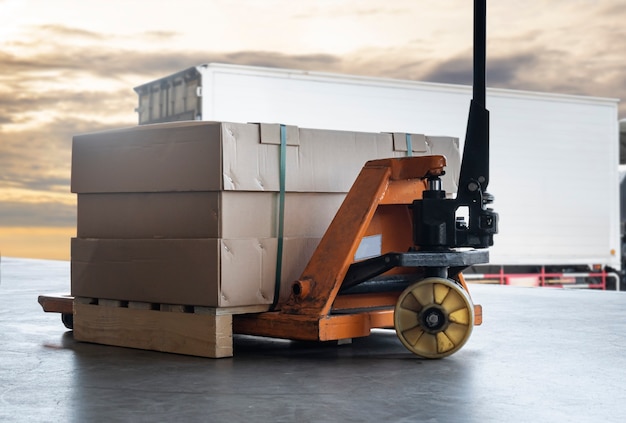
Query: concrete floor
(542, 355)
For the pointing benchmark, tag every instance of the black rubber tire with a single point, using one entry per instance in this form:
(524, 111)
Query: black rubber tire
(68, 320)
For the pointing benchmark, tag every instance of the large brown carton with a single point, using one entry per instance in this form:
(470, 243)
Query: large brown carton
(202, 272)
(202, 214)
(214, 156)
(188, 213)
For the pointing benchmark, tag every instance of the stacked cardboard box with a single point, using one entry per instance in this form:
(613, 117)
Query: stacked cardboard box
(187, 213)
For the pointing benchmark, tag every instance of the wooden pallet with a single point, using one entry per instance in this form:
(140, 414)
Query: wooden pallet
(189, 330)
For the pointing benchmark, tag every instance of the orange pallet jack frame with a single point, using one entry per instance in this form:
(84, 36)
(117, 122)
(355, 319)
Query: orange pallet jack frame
(378, 204)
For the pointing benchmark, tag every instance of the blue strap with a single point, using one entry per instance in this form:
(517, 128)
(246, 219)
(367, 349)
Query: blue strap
(409, 145)
(281, 212)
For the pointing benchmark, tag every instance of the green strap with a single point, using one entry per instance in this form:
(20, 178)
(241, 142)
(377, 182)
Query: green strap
(409, 145)
(281, 212)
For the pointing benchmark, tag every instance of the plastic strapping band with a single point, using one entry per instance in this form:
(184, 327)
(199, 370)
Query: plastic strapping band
(281, 213)
(409, 145)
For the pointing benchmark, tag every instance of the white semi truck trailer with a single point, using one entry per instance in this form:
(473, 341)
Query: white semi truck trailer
(554, 158)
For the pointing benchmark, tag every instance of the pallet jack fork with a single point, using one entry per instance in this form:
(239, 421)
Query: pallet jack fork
(426, 239)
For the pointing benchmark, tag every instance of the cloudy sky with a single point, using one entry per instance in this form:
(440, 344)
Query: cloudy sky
(69, 66)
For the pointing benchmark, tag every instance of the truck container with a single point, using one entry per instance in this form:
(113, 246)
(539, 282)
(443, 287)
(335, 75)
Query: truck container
(554, 158)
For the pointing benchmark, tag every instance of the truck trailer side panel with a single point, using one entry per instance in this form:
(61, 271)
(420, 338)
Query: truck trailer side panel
(554, 158)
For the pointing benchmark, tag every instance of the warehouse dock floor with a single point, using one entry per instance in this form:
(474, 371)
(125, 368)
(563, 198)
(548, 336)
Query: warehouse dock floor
(541, 355)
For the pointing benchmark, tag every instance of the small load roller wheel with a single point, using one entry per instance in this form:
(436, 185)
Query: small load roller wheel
(68, 320)
(434, 317)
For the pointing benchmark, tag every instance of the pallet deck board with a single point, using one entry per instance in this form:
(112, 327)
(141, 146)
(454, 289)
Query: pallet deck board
(197, 331)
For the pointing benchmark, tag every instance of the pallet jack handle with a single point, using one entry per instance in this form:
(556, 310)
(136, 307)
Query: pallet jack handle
(439, 222)
(475, 163)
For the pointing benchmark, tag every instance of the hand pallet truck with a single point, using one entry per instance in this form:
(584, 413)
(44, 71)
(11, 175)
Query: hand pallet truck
(426, 241)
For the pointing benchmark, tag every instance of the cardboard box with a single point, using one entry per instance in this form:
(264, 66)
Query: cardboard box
(203, 272)
(214, 156)
(187, 213)
(215, 214)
